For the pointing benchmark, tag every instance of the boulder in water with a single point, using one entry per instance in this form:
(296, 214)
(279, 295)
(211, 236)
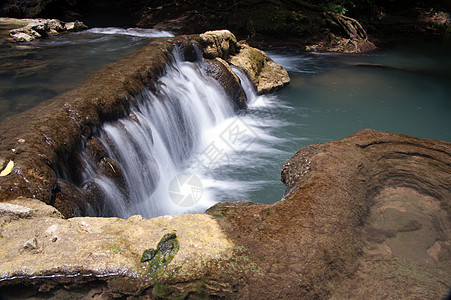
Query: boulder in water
(37, 28)
(263, 71)
(220, 43)
(75, 26)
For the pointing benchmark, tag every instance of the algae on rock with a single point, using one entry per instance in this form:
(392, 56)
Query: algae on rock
(160, 257)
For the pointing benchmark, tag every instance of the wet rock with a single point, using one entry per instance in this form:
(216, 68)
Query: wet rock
(37, 28)
(222, 72)
(96, 149)
(358, 214)
(114, 171)
(69, 200)
(263, 71)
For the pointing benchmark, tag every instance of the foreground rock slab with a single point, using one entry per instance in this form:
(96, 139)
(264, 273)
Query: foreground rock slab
(37, 242)
(367, 215)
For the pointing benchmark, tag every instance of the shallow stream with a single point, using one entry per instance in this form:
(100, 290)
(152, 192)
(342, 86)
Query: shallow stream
(405, 89)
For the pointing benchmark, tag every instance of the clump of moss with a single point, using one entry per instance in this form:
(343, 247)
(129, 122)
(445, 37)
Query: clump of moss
(160, 257)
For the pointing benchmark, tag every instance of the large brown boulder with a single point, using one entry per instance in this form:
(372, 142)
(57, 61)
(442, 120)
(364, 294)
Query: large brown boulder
(367, 215)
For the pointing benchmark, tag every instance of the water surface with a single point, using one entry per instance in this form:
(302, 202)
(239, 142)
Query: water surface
(33, 72)
(405, 89)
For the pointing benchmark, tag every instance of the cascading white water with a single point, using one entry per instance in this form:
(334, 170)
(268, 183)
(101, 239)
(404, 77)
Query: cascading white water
(158, 141)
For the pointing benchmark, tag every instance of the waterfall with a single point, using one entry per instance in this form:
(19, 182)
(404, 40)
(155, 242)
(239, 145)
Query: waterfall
(157, 143)
(246, 84)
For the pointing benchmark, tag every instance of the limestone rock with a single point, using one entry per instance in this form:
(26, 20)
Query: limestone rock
(359, 214)
(14, 210)
(31, 244)
(263, 71)
(222, 72)
(102, 246)
(75, 26)
(37, 28)
(220, 43)
(28, 208)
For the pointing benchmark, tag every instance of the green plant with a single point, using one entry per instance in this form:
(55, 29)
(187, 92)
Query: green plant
(337, 8)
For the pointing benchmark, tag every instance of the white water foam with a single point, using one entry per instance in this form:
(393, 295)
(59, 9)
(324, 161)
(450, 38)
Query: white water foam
(187, 126)
(139, 32)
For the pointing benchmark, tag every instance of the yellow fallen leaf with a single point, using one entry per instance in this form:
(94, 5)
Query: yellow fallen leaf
(8, 169)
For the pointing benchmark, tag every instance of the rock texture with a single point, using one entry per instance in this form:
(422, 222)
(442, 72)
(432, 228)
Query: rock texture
(367, 215)
(263, 71)
(44, 244)
(44, 142)
(37, 28)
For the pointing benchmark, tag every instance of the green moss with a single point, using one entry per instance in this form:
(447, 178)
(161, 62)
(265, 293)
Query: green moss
(159, 258)
(257, 59)
(114, 249)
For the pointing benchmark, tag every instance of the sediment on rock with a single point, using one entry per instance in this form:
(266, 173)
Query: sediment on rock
(44, 141)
